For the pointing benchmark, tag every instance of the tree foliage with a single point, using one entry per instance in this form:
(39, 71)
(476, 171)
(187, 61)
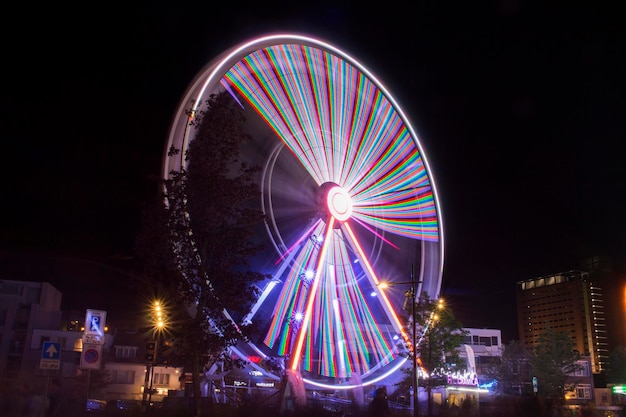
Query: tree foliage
(198, 244)
(553, 359)
(439, 335)
(442, 336)
(513, 373)
(616, 367)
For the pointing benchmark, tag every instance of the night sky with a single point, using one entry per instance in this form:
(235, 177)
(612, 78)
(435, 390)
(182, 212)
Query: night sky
(520, 108)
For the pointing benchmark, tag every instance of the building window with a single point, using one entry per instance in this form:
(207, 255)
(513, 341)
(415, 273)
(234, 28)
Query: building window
(485, 341)
(119, 376)
(161, 379)
(582, 369)
(583, 391)
(128, 352)
(11, 289)
(78, 345)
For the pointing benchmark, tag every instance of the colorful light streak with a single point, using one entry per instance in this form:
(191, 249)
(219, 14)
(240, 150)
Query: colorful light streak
(345, 129)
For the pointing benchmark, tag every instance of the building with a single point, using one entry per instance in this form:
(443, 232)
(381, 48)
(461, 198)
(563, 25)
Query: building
(128, 371)
(31, 319)
(567, 302)
(613, 287)
(579, 386)
(481, 350)
(24, 307)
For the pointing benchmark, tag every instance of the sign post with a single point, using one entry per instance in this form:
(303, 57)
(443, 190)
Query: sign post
(94, 323)
(93, 339)
(50, 356)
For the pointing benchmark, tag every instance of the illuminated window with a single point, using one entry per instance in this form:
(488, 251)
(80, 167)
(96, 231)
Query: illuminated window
(583, 391)
(161, 379)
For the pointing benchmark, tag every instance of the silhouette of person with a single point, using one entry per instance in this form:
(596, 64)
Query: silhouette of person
(379, 407)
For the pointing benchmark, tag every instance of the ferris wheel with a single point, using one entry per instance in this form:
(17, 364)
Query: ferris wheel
(349, 198)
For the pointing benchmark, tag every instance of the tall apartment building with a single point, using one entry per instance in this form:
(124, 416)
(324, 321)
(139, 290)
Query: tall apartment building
(613, 286)
(566, 302)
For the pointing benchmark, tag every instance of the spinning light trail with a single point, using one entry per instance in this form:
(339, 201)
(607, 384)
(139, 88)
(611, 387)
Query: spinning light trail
(344, 132)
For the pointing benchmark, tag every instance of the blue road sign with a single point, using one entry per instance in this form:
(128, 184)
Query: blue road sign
(51, 350)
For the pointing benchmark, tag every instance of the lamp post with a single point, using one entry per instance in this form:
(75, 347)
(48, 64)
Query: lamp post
(153, 348)
(159, 325)
(415, 375)
(416, 389)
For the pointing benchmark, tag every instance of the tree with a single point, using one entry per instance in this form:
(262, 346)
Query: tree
(439, 336)
(553, 359)
(616, 369)
(199, 242)
(513, 373)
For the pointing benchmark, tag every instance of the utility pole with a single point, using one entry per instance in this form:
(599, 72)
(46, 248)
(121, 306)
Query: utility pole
(150, 358)
(415, 371)
(412, 296)
(156, 356)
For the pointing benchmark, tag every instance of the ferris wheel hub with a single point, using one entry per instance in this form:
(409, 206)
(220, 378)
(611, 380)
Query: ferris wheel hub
(339, 203)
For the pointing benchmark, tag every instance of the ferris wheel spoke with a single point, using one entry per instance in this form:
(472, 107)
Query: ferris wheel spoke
(297, 350)
(344, 179)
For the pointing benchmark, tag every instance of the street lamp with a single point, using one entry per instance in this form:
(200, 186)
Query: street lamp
(413, 296)
(158, 331)
(153, 349)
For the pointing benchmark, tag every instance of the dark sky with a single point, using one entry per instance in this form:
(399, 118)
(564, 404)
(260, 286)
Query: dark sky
(520, 107)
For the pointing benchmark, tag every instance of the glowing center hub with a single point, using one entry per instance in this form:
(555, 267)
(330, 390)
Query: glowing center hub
(339, 204)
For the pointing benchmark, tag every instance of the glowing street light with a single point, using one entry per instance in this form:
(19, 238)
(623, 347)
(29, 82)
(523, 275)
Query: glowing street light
(153, 347)
(412, 294)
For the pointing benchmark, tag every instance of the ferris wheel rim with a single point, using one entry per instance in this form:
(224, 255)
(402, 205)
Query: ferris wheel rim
(209, 78)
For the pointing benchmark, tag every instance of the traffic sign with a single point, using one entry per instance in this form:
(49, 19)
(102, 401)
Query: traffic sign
(91, 356)
(51, 350)
(93, 339)
(51, 364)
(50, 356)
(94, 322)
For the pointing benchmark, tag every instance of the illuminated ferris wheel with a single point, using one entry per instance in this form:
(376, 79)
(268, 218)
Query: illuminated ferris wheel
(349, 198)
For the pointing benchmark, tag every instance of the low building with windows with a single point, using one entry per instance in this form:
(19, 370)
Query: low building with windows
(32, 327)
(122, 372)
(481, 350)
(129, 371)
(469, 386)
(579, 386)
